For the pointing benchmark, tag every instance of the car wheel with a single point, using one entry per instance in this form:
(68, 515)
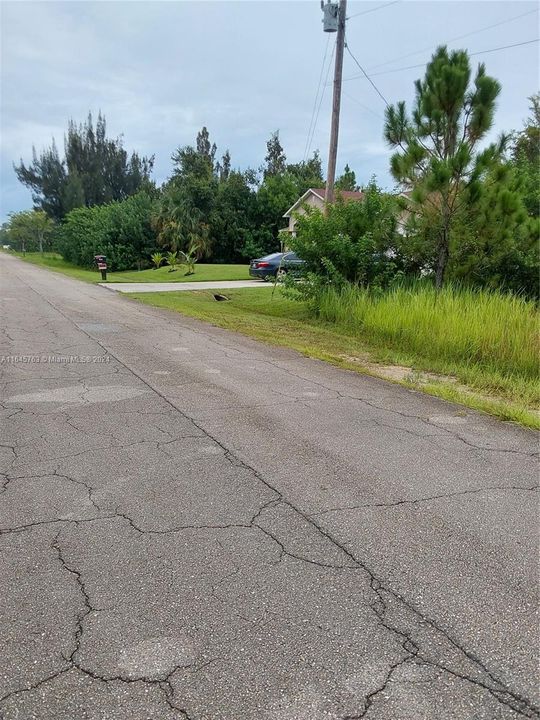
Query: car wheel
(280, 275)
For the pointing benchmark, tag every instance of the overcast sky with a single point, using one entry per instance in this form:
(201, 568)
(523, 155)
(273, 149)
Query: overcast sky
(161, 70)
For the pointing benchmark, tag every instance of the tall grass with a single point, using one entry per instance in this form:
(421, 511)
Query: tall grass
(460, 326)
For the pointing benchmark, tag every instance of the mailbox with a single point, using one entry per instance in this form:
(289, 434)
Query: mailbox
(101, 262)
(330, 16)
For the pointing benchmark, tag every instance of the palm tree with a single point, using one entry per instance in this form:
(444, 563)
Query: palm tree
(158, 259)
(180, 226)
(172, 259)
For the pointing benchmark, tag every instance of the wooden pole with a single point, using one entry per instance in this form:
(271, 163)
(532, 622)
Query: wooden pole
(336, 103)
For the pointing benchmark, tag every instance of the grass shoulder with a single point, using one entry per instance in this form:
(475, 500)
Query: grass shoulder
(270, 317)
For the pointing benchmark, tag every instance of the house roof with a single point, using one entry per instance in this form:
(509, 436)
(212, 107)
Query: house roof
(345, 194)
(320, 193)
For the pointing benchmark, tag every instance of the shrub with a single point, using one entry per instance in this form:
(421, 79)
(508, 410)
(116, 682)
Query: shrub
(119, 230)
(353, 241)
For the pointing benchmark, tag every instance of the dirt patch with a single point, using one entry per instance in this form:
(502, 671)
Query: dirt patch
(421, 379)
(399, 373)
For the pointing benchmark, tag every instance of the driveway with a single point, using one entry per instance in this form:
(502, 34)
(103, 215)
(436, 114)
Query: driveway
(196, 525)
(179, 286)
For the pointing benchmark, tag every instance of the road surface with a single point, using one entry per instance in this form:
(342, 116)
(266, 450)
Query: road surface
(196, 525)
(179, 286)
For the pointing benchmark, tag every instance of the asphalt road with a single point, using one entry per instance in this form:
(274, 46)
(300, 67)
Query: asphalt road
(196, 525)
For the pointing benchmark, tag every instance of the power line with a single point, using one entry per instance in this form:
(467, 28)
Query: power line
(310, 139)
(421, 65)
(459, 37)
(365, 107)
(316, 97)
(380, 7)
(379, 93)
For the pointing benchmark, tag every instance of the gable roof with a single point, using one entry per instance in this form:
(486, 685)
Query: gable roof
(320, 193)
(345, 194)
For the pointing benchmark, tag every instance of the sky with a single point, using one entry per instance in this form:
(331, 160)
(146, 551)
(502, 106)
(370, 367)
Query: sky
(159, 71)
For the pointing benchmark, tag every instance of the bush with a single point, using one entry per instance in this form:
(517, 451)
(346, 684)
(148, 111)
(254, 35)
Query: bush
(353, 242)
(120, 230)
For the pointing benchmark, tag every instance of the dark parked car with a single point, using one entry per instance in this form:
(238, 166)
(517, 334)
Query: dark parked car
(275, 265)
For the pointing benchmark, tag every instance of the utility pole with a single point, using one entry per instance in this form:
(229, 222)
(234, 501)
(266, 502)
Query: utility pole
(336, 102)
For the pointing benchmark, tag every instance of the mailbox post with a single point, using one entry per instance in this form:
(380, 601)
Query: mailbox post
(101, 262)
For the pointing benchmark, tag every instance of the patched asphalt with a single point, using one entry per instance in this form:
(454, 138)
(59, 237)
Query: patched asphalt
(196, 525)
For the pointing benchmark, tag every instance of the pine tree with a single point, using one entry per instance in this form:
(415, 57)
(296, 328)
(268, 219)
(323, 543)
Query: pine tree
(307, 173)
(525, 156)
(204, 147)
(95, 170)
(347, 181)
(437, 146)
(225, 166)
(275, 157)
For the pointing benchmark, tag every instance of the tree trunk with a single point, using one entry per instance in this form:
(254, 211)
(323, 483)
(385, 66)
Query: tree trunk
(444, 246)
(442, 259)
(40, 238)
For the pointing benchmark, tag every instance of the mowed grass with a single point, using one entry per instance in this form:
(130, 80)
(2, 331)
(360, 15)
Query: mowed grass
(480, 349)
(203, 271)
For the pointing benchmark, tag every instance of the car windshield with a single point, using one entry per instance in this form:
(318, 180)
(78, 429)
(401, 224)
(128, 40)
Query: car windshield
(272, 256)
(291, 256)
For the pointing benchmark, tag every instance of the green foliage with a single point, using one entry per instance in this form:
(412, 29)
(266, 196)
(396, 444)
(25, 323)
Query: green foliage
(95, 170)
(222, 210)
(494, 243)
(158, 259)
(437, 145)
(172, 260)
(276, 194)
(275, 157)
(353, 241)
(472, 215)
(120, 230)
(347, 181)
(495, 238)
(182, 221)
(189, 258)
(274, 197)
(204, 148)
(233, 221)
(29, 230)
(525, 157)
(306, 174)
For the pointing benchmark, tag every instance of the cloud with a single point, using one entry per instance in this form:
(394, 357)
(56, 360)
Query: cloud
(161, 70)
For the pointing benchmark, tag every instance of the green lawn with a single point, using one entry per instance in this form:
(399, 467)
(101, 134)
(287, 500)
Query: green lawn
(203, 271)
(280, 321)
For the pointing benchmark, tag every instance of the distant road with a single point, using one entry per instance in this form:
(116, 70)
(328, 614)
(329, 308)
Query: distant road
(194, 525)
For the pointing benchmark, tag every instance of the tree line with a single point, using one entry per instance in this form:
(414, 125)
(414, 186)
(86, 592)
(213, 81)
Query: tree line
(98, 199)
(462, 209)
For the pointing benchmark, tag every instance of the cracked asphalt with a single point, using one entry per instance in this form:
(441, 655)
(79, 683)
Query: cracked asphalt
(199, 526)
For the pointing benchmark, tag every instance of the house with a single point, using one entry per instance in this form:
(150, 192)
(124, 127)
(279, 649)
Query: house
(405, 213)
(314, 197)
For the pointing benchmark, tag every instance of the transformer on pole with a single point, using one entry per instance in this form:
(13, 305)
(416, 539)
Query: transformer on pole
(330, 16)
(334, 21)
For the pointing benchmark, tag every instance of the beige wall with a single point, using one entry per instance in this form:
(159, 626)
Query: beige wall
(311, 201)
